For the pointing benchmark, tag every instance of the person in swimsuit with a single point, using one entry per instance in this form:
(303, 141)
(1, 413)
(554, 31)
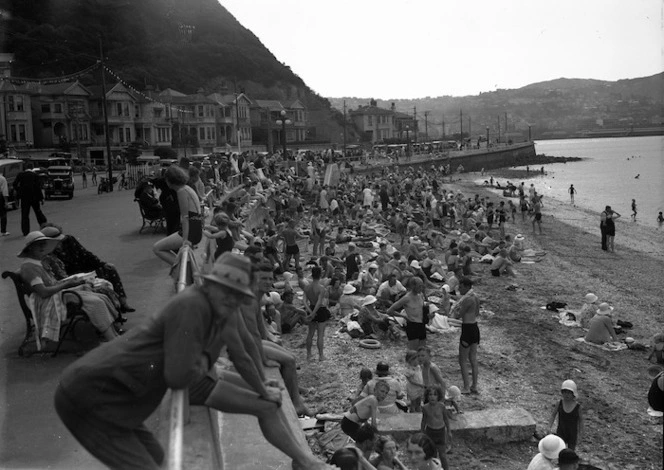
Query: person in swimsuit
(436, 421)
(413, 304)
(191, 232)
(317, 312)
(468, 309)
(364, 410)
(292, 250)
(568, 412)
(634, 212)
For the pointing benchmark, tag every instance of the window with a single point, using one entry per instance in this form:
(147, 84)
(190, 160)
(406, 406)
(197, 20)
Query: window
(369, 121)
(121, 135)
(137, 111)
(200, 110)
(126, 109)
(10, 102)
(19, 103)
(13, 132)
(128, 133)
(57, 107)
(208, 133)
(157, 112)
(119, 108)
(201, 133)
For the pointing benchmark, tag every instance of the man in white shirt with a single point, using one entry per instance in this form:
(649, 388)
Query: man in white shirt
(4, 202)
(390, 290)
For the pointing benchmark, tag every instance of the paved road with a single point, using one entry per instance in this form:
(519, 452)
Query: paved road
(31, 435)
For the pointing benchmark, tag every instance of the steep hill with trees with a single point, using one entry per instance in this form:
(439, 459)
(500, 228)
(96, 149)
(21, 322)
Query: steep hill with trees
(183, 44)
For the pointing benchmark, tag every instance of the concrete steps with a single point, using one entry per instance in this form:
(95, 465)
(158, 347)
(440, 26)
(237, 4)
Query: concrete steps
(491, 425)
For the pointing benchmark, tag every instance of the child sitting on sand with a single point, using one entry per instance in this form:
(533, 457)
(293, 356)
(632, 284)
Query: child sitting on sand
(365, 376)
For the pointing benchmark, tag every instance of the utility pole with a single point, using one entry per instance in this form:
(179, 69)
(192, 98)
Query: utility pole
(237, 118)
(415, 122)
(469, 129)
(109, 157)
(443, 127)
(344, 159)
(499, 128)
(426, 125)
(461, 126)
(505, 125)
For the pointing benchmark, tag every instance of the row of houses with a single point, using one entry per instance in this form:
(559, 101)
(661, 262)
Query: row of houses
(380, 124)
(34, 115)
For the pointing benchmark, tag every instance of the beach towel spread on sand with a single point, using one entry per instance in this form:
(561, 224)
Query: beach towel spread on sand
(613, 346)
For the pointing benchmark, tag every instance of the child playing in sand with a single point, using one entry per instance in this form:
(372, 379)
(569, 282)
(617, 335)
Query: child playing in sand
(415, 385)
(435, 421)
(570, 418)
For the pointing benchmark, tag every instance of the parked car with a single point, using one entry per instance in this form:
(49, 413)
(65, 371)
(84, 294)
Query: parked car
(59, 182)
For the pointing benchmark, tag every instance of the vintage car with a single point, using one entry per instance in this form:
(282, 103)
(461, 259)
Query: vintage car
(59, 182)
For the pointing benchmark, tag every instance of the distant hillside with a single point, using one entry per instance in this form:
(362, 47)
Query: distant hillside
(557, 108)
(182, 44)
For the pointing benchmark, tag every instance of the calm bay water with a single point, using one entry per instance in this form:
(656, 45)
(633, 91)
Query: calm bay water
(607, 175)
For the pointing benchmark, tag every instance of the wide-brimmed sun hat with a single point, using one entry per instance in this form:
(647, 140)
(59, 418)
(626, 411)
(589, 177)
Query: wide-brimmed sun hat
(349, 289)
(571, 386)
(604, 309)
(37, 236)
(591, 298)
(368, 300)
(550, 446)
(415, 264)
(232, 270)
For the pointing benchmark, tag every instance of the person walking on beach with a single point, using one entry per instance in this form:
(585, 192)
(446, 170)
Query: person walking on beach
(572, 192)
(660, 220)
(634, 212)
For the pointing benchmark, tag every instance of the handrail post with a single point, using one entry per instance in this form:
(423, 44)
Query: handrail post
(177, 405)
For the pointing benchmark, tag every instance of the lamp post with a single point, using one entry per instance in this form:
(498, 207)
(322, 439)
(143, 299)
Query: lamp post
(529, 137)
(283, 122)
(487, 136)
(408, 142)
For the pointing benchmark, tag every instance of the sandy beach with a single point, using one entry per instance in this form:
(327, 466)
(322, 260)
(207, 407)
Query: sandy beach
(526, 353)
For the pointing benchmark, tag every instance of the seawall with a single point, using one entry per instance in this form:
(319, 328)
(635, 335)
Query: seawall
(471, 160)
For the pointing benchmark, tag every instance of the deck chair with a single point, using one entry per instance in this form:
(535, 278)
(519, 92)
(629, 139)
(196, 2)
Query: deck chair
(71, 299)
(149, 220)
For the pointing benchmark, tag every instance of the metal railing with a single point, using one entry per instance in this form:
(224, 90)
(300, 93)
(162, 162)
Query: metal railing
(178, 397)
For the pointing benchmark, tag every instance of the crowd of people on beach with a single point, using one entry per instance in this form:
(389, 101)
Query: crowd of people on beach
(394, 253)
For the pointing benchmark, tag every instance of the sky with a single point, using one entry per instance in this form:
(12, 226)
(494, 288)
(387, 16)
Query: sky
(390, 49)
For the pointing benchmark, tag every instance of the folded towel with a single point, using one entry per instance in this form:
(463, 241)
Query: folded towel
(614, 346)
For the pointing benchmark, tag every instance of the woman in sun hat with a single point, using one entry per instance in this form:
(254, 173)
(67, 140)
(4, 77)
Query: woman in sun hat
(569, 414)
(370, 319)
(588, 309)
(601, 326)
(349, 303)
(549, 448)
(47, 306)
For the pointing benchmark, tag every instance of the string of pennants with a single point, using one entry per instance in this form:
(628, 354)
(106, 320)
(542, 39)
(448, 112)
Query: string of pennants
(75, 76)
(51, 81)
(149, 98)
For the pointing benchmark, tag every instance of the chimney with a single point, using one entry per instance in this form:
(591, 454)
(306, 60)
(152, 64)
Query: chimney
(393, 107)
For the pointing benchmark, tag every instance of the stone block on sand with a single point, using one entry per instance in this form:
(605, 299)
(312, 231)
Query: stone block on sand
(491, 425)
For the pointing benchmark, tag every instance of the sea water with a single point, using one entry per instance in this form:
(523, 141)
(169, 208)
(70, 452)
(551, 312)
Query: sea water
(613, 172)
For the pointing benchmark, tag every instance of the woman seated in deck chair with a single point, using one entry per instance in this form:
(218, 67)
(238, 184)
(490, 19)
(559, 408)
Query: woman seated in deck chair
(46, 302)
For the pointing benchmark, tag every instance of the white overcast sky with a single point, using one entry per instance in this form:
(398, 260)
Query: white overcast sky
(416, 48)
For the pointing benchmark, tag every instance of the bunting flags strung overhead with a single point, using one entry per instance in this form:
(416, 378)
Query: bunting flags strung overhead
(149, 98)
(51, 80)
(75, 76)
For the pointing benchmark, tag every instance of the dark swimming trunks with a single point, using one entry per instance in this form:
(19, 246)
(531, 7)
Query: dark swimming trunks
(470, 334)
(416, 330)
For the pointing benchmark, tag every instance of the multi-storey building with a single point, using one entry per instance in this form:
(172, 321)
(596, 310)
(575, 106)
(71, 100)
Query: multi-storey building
(16, 116)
